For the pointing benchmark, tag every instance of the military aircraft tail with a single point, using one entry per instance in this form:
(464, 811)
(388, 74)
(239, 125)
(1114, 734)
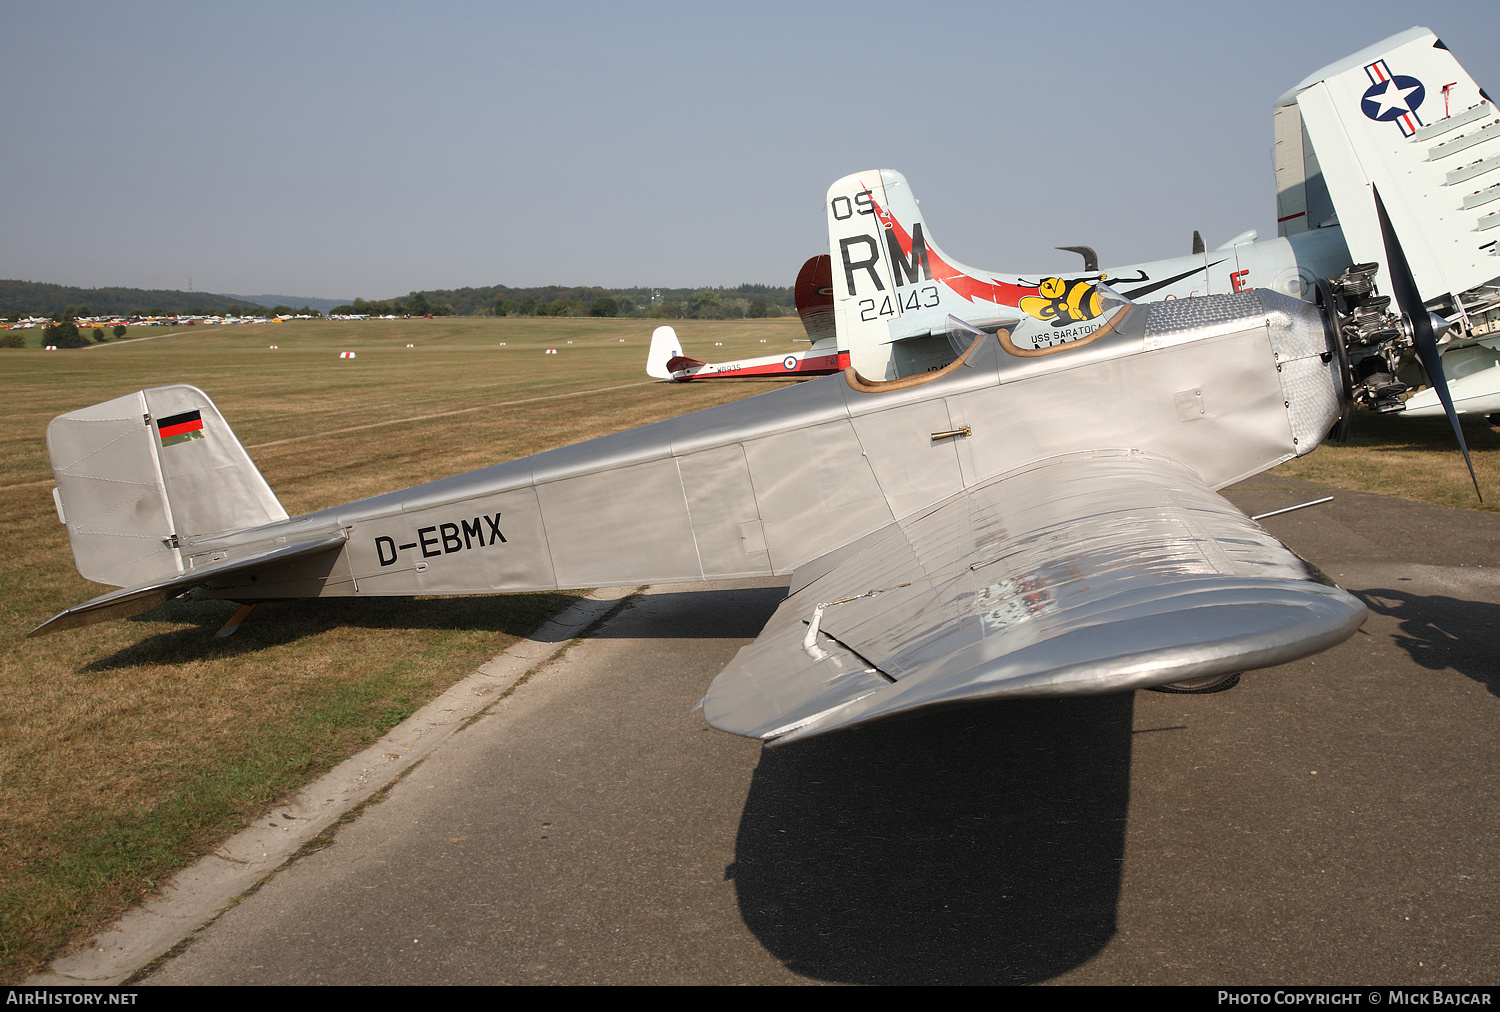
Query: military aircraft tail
(140, 475)
(893, 288)
(1403, 117)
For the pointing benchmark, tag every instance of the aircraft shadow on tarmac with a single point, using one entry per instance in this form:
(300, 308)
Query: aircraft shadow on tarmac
(738, 615)
(973, 846)
(1441, 632)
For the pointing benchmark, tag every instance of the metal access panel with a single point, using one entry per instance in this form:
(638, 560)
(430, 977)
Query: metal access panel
(495, 542)
(913, 468)
(624, 525)
(815, 490)
(725, 519)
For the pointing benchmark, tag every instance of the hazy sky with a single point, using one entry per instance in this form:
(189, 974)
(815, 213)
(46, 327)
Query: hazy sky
(334, 150)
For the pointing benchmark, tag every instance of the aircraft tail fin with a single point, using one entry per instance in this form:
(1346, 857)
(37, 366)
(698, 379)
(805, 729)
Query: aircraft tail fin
(664, 348)
(892, 284)
(814, 296)
(1405, 117)
(140, 475)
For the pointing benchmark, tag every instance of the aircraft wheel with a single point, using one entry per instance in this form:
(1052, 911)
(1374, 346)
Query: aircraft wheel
(1200, 686)
(1494, 419)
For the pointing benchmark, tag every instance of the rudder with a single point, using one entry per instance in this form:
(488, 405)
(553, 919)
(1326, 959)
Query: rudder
(664, 348)
(139, 475)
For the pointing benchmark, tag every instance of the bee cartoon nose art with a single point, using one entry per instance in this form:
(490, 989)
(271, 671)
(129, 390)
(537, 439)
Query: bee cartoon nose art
(1062, 302)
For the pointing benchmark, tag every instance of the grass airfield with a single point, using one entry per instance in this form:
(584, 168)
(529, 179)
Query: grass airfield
(1413, 458)
(131, 747)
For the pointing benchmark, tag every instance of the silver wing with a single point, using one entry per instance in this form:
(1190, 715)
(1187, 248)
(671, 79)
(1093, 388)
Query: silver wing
(1090, 573)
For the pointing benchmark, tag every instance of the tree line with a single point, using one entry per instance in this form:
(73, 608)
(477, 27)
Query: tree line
(64, 334)
(28, 298)
(741, 302)
(34, 298)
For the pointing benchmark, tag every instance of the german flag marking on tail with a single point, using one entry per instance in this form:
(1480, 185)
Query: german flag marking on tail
(180, 428)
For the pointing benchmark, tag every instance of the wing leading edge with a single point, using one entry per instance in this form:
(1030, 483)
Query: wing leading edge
(1090, 573)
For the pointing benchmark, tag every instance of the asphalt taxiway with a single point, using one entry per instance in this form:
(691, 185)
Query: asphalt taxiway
(1328, 821)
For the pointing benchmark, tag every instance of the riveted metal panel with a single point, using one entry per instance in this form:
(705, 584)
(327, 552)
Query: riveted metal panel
(1309, 371)
(495, 542)
(815, 490)
(726, 522)
(1183, 321)
(627, 525)
(1311, 407)
(112, 492)
(1244, 421)
(1295, 327)
(914, 470)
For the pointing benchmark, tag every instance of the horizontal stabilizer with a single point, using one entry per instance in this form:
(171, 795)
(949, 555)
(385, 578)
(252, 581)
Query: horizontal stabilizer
(134, 600)
(680, 362)
(1093, 573)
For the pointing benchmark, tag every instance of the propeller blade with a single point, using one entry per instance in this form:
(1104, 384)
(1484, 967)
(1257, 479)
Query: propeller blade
(1404, 288)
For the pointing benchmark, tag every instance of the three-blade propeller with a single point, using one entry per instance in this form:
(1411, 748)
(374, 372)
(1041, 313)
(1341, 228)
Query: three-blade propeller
(1404, 288)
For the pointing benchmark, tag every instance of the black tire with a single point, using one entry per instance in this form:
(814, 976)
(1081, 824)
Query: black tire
(1200, 686)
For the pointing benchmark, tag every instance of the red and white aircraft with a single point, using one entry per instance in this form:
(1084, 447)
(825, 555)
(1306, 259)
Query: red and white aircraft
(814, 296)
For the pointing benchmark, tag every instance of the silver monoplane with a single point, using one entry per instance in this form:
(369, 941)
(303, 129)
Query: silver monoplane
(986, 503)
(1018, 521)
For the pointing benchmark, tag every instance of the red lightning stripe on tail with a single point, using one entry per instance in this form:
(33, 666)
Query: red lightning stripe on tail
(966, 285)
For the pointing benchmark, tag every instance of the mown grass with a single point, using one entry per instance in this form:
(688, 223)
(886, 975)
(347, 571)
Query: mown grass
(1413, 458)
(129, 748)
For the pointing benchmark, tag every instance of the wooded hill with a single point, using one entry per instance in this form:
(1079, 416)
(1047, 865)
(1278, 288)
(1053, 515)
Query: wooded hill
(32, 298)
(556, 300)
